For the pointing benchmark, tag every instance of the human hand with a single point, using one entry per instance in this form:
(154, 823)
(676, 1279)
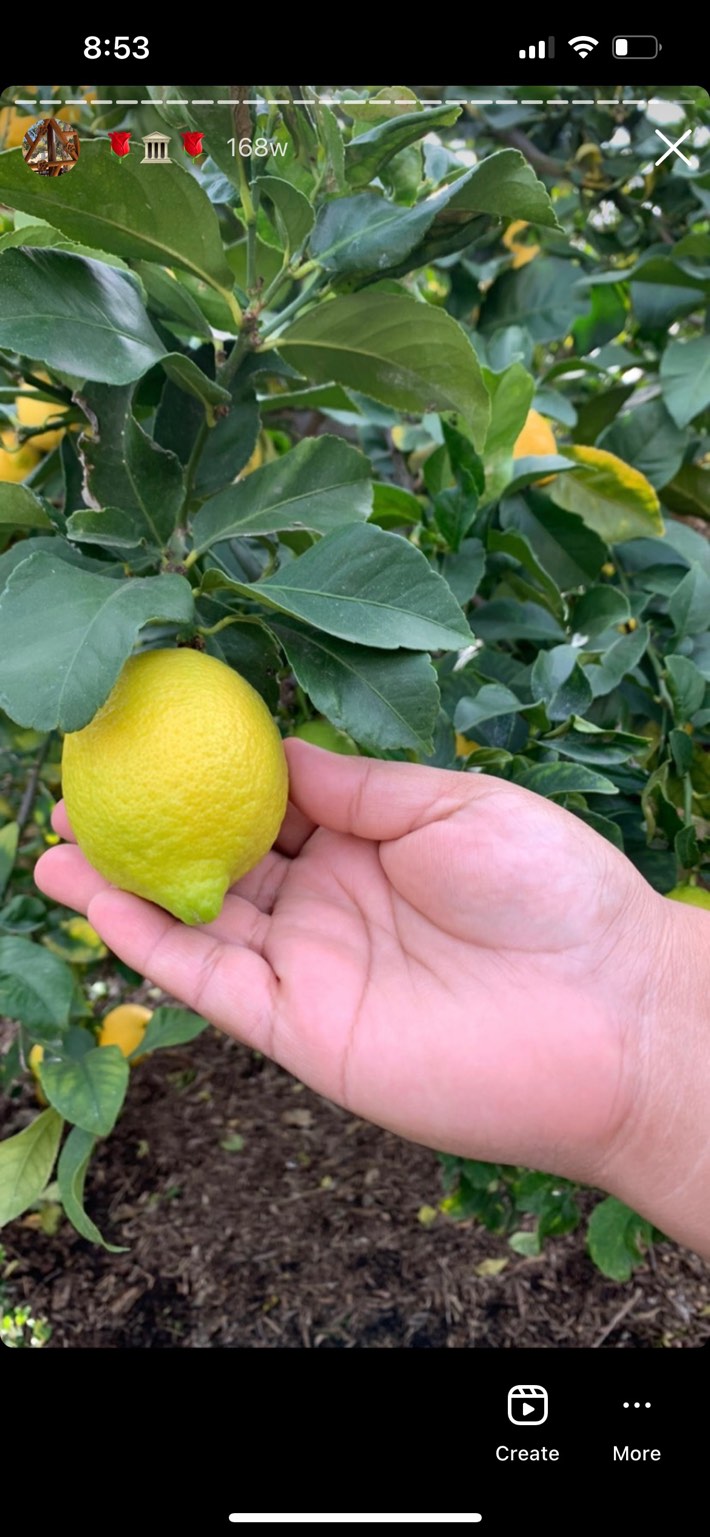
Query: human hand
(452, 957)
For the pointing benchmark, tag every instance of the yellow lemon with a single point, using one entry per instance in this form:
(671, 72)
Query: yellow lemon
(15, 461)
(124, 1027)
(697, 896)
(537, 440)
(34, 413)
(522, 254)
(13, 127)
(178, 786)
(464, 746)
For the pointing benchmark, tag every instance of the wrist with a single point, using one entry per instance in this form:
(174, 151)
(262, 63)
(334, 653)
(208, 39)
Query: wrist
(659, 1159)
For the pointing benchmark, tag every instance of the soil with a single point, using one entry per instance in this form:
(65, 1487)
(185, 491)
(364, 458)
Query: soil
(306, 1233)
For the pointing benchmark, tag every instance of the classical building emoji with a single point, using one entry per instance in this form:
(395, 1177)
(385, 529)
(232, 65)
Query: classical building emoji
(156, 147)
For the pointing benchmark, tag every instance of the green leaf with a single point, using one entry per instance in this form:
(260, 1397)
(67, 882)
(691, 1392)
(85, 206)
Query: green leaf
(111, 528)
(505, 186)
(57, 547)
(363, 585)
(689, 605)
(564, 779)
(394, 506)
(408, 355)
(604, 319)
(169, 1027)
(611, 497)
(570, 552)
(78, 316)
(35, 986)
(170, 300)
(602, 825)
(383, 701)
(491, 701)
(248, 645)
(689, 492)
(87, 1090)
(600, 749)
(551, 669)
(616, 1237)
(60, 672)
(9, 835)
(454, 513)
(504, 619)
(189, 377)
(544, 297)
(369, 152)
(511, 542)
(293, 213)
(598, 609)
(620, 659)
(115, 205)
(682, 750)
(22, 915)
(648, 438)
(332, 140)
(20, 508)
(26, 1163)
(367, 233)
(686, 685)
(71, 1174)
(685, 378)
(320, 484)
(125, 469)
(464, 570)
(511, 395)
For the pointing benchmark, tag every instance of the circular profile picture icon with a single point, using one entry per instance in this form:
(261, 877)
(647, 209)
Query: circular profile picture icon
(51, 147)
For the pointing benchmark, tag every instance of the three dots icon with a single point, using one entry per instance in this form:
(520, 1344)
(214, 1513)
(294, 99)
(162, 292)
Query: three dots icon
(636, 1406)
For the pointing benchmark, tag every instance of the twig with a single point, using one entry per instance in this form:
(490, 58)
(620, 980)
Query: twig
(622, 1313)
(28, 798)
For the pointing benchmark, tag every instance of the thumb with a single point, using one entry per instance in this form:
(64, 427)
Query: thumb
(371, 798)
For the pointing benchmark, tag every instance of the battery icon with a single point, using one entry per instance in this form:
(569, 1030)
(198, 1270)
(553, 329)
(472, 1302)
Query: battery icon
(640, 46)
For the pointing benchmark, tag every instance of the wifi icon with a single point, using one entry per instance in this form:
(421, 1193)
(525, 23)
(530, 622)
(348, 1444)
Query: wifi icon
(583, 45)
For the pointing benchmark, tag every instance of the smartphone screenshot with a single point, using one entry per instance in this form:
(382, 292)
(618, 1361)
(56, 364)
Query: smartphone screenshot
(354, 766)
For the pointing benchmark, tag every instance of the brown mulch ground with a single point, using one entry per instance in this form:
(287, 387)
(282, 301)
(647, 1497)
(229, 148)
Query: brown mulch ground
(307, 1236)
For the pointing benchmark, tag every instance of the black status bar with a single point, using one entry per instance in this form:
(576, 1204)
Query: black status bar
(541, 54)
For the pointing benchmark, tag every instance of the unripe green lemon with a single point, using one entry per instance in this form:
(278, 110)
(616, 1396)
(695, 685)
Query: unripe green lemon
(322, 733)
(178, 786)
(697, 896)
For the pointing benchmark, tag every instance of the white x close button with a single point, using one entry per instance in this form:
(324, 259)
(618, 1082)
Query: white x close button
(673, 148)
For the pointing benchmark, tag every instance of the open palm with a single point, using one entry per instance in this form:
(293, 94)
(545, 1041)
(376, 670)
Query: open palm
(443, 953)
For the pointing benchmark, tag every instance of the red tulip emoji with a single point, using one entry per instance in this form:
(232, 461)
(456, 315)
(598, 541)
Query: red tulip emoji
(193, 143)
(119, 143)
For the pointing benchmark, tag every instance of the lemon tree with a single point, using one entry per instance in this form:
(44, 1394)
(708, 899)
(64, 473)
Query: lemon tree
(402, 434)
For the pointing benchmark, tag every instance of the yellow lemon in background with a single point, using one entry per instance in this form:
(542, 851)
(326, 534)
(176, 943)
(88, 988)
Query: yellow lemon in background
(13, 127)
(15, 461)
(34, 413)
(124, 1027)
(536, 438)
(521, 253)
(696, 896)
(178, 786)
(464, 746)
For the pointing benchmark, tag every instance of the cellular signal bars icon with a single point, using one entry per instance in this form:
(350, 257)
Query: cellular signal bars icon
(541, 50)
